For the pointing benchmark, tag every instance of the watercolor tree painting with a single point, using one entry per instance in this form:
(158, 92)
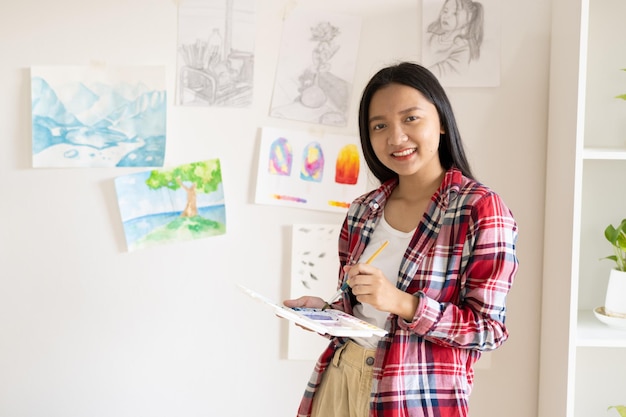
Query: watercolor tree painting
(179, 204)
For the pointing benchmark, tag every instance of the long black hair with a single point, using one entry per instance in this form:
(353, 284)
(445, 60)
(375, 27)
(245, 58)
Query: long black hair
(451, 153)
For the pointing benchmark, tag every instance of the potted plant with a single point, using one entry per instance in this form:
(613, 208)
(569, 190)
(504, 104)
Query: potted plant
(615, 301)
(621, 409)
(622, 96)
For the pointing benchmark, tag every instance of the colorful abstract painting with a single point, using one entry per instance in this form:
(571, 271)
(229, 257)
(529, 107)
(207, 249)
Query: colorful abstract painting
(98, 116)
(314, 269)
(172, 205)
(309, 170)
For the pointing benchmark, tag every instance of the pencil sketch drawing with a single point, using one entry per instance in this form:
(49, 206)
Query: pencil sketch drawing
(314, 268)
(461, 41)
(98, 116)
(292, 165)
(215, 53)
(316, 68)
(172, 205)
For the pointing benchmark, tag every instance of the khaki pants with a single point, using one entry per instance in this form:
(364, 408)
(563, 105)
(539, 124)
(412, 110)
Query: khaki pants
(346, 384)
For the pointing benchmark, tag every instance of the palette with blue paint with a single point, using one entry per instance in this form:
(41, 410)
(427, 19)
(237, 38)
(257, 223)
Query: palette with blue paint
(315, 314)
(326, 322)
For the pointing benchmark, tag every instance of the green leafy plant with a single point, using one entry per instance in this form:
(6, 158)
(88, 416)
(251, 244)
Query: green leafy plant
(622, 96)
(621, 409)
(617, 239)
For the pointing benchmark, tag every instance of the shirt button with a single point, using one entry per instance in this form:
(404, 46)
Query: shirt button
(369, 361)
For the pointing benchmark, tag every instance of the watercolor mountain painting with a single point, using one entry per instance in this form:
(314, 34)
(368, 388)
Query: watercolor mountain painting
(172, 205)
(95, 117)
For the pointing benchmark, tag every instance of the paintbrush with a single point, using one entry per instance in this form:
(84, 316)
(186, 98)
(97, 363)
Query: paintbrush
(345, 285)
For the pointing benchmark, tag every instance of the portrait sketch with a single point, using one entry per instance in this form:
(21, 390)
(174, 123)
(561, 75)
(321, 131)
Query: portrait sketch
(215, 53)
(461, 41)
(316, 68)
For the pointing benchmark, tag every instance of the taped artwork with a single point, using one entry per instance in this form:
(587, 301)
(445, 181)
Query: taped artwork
(172, 205)
(316, 67)
(461, 41)
(314, 269)
(306, 170)
(215, 53)
(98, 116)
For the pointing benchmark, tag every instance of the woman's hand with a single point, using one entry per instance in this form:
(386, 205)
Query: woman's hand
(305, 301)
(370, 286)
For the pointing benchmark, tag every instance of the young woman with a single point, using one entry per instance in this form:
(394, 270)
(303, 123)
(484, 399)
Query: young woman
(440, 285)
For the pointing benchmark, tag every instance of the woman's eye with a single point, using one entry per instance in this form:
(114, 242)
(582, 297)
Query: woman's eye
(378, 126)
(411, 118)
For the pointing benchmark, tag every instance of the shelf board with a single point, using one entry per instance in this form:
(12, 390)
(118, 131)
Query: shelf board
(604, 153)
(593, 333)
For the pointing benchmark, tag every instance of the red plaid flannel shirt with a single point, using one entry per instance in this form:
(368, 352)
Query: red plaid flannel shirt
(461, 264)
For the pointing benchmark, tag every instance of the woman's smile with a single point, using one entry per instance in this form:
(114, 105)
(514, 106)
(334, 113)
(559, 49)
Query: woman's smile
(405, 130)
(404, 153)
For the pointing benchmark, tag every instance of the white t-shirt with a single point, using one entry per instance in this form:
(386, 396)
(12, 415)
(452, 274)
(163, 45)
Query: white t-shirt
(388, 261)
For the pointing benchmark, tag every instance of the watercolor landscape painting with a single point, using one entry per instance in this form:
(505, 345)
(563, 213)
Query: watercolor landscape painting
(172, 205)
(98, 116)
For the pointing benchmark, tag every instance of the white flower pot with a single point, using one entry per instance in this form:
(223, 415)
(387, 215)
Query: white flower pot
(615, 302)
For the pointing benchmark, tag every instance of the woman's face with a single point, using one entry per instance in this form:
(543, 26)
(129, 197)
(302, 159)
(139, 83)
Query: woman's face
(404, 130)
(452, 16)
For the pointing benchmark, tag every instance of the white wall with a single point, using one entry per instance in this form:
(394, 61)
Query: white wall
(87, 329)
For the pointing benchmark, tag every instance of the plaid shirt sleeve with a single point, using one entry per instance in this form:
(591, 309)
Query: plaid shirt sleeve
(471, 313)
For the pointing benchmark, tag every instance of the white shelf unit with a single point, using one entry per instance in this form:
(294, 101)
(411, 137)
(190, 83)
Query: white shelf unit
(604, 153)
(583, 361)
(592, 333)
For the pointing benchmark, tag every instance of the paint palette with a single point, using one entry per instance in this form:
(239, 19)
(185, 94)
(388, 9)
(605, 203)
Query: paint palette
(327, 322)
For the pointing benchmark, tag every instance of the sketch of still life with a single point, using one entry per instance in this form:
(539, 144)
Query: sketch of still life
(95, 116)
(316, 67)
(314, 269)
(215, 53)
(308, 170)
(172, 205)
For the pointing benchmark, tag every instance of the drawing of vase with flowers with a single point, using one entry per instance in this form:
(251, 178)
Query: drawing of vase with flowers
(311, 94)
